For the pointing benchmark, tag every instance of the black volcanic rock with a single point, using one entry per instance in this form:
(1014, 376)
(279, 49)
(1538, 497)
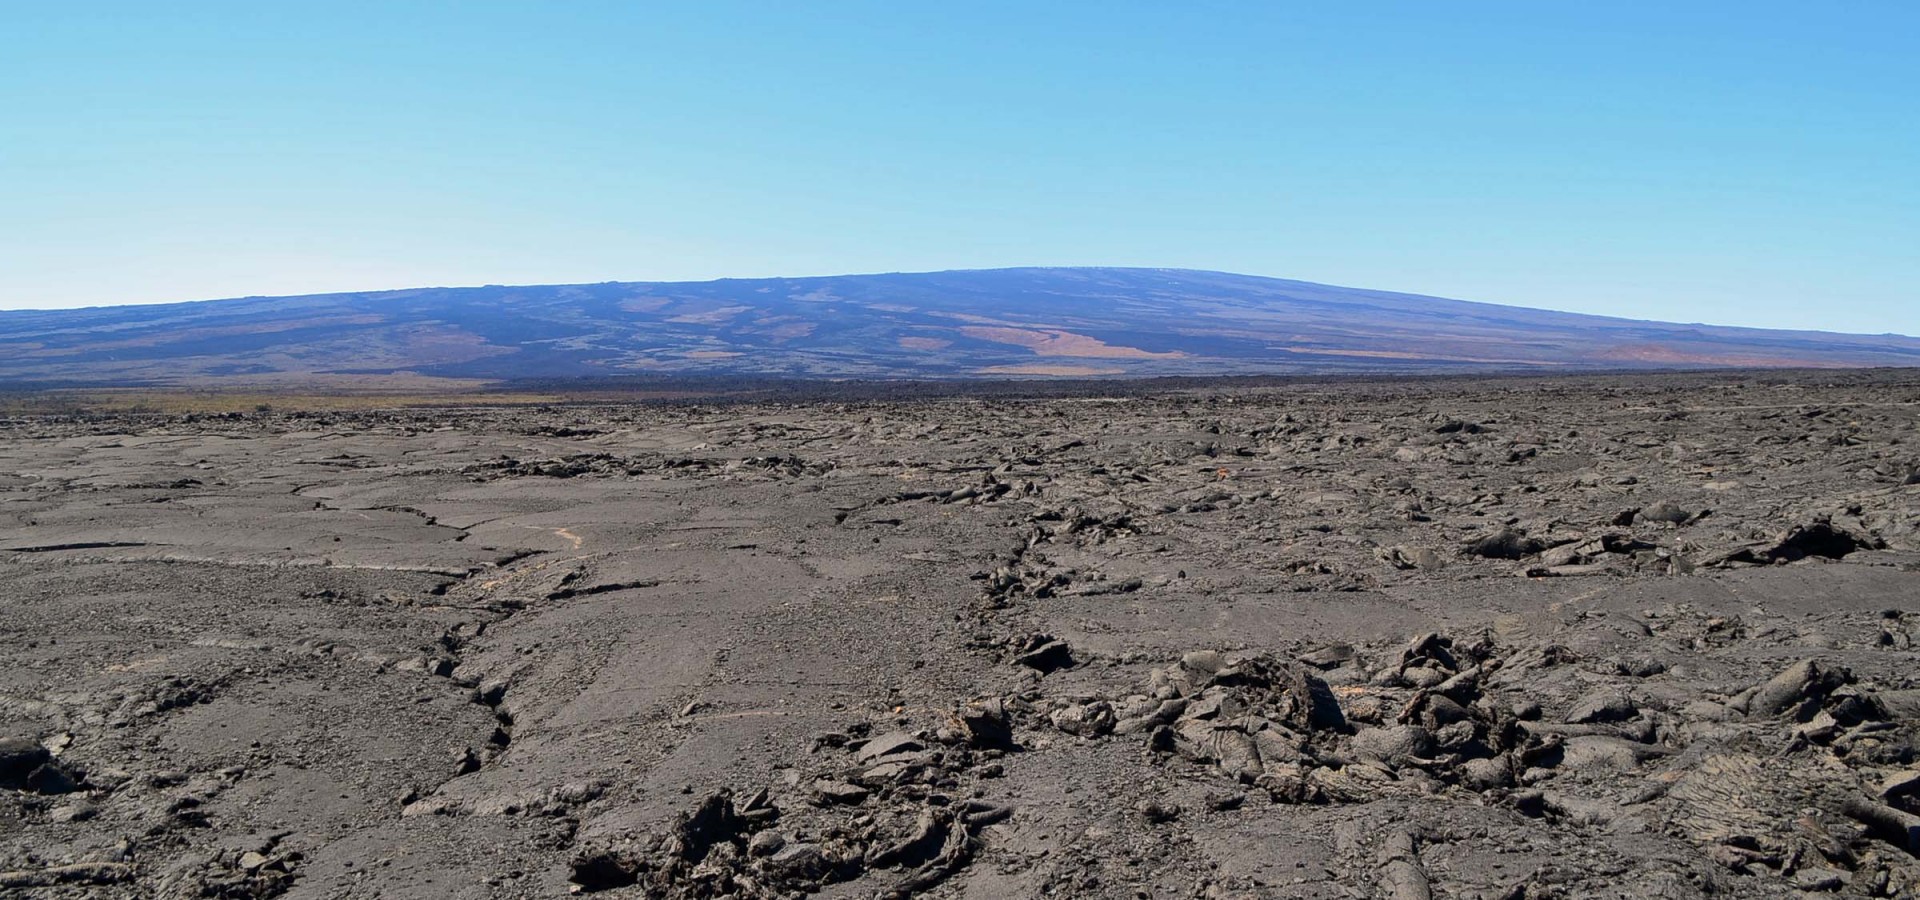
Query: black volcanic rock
(963, 324)
(770, 648)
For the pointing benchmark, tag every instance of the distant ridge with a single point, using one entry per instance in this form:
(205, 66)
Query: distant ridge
(1027, 322)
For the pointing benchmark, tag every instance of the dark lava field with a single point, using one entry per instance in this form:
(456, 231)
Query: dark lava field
(1598, 636)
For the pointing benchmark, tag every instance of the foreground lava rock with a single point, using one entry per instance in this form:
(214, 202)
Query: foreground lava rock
(1593, 636)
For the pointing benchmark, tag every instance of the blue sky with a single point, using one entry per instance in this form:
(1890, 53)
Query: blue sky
(1740, 163)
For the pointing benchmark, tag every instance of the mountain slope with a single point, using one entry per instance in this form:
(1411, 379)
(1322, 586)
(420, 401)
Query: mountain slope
(1084, 321)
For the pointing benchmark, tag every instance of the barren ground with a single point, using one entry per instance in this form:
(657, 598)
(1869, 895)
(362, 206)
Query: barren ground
(1644, 636)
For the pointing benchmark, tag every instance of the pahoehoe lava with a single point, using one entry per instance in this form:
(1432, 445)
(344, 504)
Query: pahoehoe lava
(1625, 635)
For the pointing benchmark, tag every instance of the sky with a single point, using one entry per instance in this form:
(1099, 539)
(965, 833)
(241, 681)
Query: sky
(1745, 163)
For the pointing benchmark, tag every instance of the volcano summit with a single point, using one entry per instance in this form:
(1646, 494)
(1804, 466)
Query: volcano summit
(1073, 322)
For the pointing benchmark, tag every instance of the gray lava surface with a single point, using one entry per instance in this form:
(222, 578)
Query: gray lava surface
(1636, 636)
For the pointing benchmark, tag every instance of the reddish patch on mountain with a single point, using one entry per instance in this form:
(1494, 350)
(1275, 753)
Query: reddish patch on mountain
(1062, 343)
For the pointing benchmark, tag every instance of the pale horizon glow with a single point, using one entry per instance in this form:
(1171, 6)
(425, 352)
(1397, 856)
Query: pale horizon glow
(1751, 164)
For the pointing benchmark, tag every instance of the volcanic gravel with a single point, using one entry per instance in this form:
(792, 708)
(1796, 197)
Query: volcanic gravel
(1628, 636)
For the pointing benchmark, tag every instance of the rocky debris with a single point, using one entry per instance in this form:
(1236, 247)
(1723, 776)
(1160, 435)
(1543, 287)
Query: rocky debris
(1401, 877)
(982, 725)
(168, 693)
(1665, 512)
(674, 862)
(1900, 787)
(1505, 544)
(1332, 656)
(782, 465)
(1248, 716)
(827, 792)
(1043, 653)
(26, 765)
(74, 874)
(1029, 578)
(609, 465)
(1896, 825)
(1604, 705)
(341, 610)
(1224, 802)
(19, 757)
(249, 870)
(892, 746)
(1411, 558)
(1156, 812)
(938, 845)
(1817, 539)
(1441, 715)
(1084, 719)
(723, 850)
(1088, 527)
(1457, 426)
(570, 466)
(1393, 745)
(1800, 690)
(1595, 549)
(552, 803)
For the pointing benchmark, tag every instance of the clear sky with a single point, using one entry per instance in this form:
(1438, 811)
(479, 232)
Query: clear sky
(1731, 162)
